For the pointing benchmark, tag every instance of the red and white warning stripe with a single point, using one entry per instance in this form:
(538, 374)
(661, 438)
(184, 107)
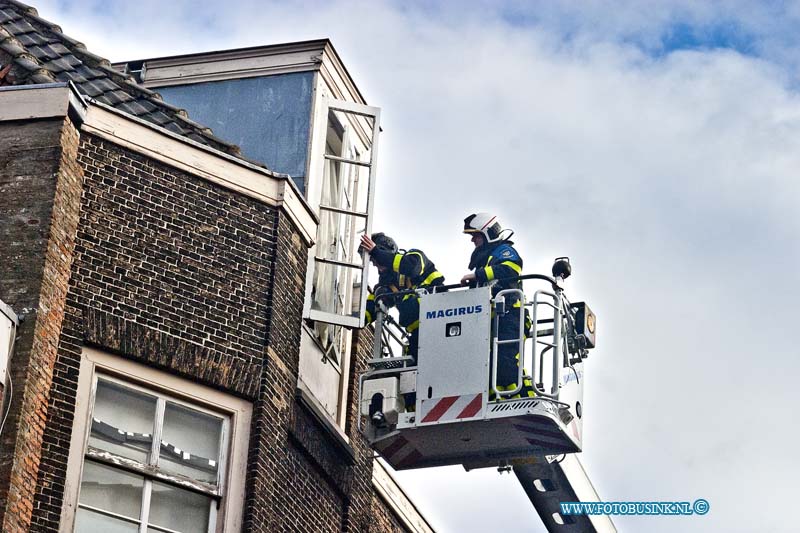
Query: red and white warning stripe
(400, 453)
(451, 408)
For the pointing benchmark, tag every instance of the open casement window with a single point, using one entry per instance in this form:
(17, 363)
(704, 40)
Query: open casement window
(341, 187)
(152, 462)
(337, 293)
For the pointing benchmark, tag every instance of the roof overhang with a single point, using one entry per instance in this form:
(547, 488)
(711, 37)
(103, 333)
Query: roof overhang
(304, 56)
(33, 102)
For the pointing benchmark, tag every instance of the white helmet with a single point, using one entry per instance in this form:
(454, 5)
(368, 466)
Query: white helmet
(485, 224)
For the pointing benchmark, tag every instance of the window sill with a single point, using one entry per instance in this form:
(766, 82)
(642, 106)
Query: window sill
(307, 400)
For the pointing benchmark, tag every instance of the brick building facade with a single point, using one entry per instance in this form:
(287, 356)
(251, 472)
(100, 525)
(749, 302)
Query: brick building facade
(161, 282)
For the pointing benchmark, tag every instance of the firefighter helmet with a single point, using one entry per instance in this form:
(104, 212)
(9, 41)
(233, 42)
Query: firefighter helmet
(385, 242)
(484, 223)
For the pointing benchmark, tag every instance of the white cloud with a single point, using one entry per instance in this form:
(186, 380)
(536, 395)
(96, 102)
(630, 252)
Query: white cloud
(670, 181)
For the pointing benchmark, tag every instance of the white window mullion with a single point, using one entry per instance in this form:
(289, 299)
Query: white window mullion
(212, 516)
(145, 516)
(155, 453)
(158, 427)
(224, 438)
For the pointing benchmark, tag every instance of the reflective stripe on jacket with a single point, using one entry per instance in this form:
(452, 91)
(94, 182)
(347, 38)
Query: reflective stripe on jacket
(503, 262)
(414, 271)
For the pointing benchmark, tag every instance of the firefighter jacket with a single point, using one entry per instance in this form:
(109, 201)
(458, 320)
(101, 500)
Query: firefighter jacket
(496, 261)
(409, 270)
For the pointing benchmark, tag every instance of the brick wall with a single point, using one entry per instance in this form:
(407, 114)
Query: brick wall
(186, 276)
(383, 519)
(359, 515)
(171, 271)
(302, 478)
(289, 490)
(40, 187)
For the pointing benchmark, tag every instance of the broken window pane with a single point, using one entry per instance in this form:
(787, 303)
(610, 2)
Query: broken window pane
(190, 443)
(122, 421)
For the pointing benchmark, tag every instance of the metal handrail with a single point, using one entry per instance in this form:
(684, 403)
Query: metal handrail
(558, 302)
(382, 320)
(556, 345)
(496, 342)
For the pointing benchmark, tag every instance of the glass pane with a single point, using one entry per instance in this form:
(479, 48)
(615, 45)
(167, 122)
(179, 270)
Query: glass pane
(111, 489)
(190, 443)
(87, 521)
(179, 510)
(344, 186)
(122, 421)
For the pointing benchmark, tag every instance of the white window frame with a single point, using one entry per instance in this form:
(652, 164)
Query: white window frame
(233, 459)
(315, 187)
(324, 370)
(8, 333)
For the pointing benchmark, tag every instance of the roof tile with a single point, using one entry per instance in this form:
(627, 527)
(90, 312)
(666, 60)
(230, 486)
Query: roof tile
(174, 128)
(61, 64)
(159, 117)
(91, 88)
(29, 39)
(133, 107)
(6, 15)
(44, 54)
(12, 46)
(113, 98)
(88, 72)
(19, 26)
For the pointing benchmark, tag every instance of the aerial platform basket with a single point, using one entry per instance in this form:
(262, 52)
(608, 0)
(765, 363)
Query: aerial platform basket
(453, 420)
(503, 434)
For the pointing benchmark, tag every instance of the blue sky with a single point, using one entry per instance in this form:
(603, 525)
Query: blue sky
(655, 143)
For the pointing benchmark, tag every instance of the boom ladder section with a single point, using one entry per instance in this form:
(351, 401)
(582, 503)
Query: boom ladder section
(549, 482)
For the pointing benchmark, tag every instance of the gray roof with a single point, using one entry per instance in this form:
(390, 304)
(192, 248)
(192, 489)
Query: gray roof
(33, 50)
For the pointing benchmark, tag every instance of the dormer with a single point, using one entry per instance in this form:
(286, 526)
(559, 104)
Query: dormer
(295, 108)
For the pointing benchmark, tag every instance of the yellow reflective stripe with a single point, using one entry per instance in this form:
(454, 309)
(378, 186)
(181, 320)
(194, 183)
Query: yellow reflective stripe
(432, 277)
(411, 327)
(396, 262)
(370, 297)
(518, 303)
(421, 260)
(396, 265)
(369, 316)
(527, 387)
(407, 296)
(489, 271)
(513, 266)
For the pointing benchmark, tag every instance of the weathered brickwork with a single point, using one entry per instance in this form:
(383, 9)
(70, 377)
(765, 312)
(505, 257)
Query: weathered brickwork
(183, 275)
(303, 480)
(280, 471)
(170, 270)
(41, 188)
(383, 519)
(359, 517)
(177, 255)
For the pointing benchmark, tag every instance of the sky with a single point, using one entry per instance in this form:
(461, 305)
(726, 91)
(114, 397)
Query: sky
(657, 144)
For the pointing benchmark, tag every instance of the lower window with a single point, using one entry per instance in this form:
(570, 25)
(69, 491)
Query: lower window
(154, 461)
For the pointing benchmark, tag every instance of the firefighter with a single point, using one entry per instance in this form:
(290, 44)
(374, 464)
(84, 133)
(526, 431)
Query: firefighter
(400, 271)
(494, 258)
